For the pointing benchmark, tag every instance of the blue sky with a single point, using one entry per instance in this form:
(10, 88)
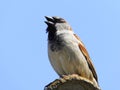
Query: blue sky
(24, 63)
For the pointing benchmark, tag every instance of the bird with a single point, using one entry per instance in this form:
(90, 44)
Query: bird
(66, 52)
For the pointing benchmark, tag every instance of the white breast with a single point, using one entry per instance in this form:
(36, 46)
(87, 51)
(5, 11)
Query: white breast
(68, 60)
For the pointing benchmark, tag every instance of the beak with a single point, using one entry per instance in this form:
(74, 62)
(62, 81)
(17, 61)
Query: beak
(50, 21)
(49, 18)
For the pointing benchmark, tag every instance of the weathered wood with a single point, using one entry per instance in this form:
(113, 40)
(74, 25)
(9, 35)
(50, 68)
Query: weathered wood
(71, 82)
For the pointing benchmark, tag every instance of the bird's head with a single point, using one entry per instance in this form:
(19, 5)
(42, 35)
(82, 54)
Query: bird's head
(56, 24)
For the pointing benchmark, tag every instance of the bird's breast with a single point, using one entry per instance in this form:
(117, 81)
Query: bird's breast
(66, 58)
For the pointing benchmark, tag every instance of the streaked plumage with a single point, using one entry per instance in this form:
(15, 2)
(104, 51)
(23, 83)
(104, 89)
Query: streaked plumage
(66, 51)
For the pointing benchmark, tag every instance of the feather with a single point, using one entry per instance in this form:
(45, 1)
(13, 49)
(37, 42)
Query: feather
(86, 55)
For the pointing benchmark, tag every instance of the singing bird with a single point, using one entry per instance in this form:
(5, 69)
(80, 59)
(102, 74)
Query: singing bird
(66, 52)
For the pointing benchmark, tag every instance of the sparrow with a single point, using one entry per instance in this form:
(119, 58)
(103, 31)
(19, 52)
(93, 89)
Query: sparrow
(66, 52)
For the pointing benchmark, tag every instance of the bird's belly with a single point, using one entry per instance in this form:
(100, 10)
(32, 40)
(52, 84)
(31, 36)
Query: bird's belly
(68, 61)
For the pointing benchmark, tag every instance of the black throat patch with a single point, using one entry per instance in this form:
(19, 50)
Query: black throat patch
(56, 43)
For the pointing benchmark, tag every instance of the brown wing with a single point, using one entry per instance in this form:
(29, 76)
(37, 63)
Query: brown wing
(85, 53)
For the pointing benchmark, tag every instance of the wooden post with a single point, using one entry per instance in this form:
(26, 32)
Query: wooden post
(71, 82)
